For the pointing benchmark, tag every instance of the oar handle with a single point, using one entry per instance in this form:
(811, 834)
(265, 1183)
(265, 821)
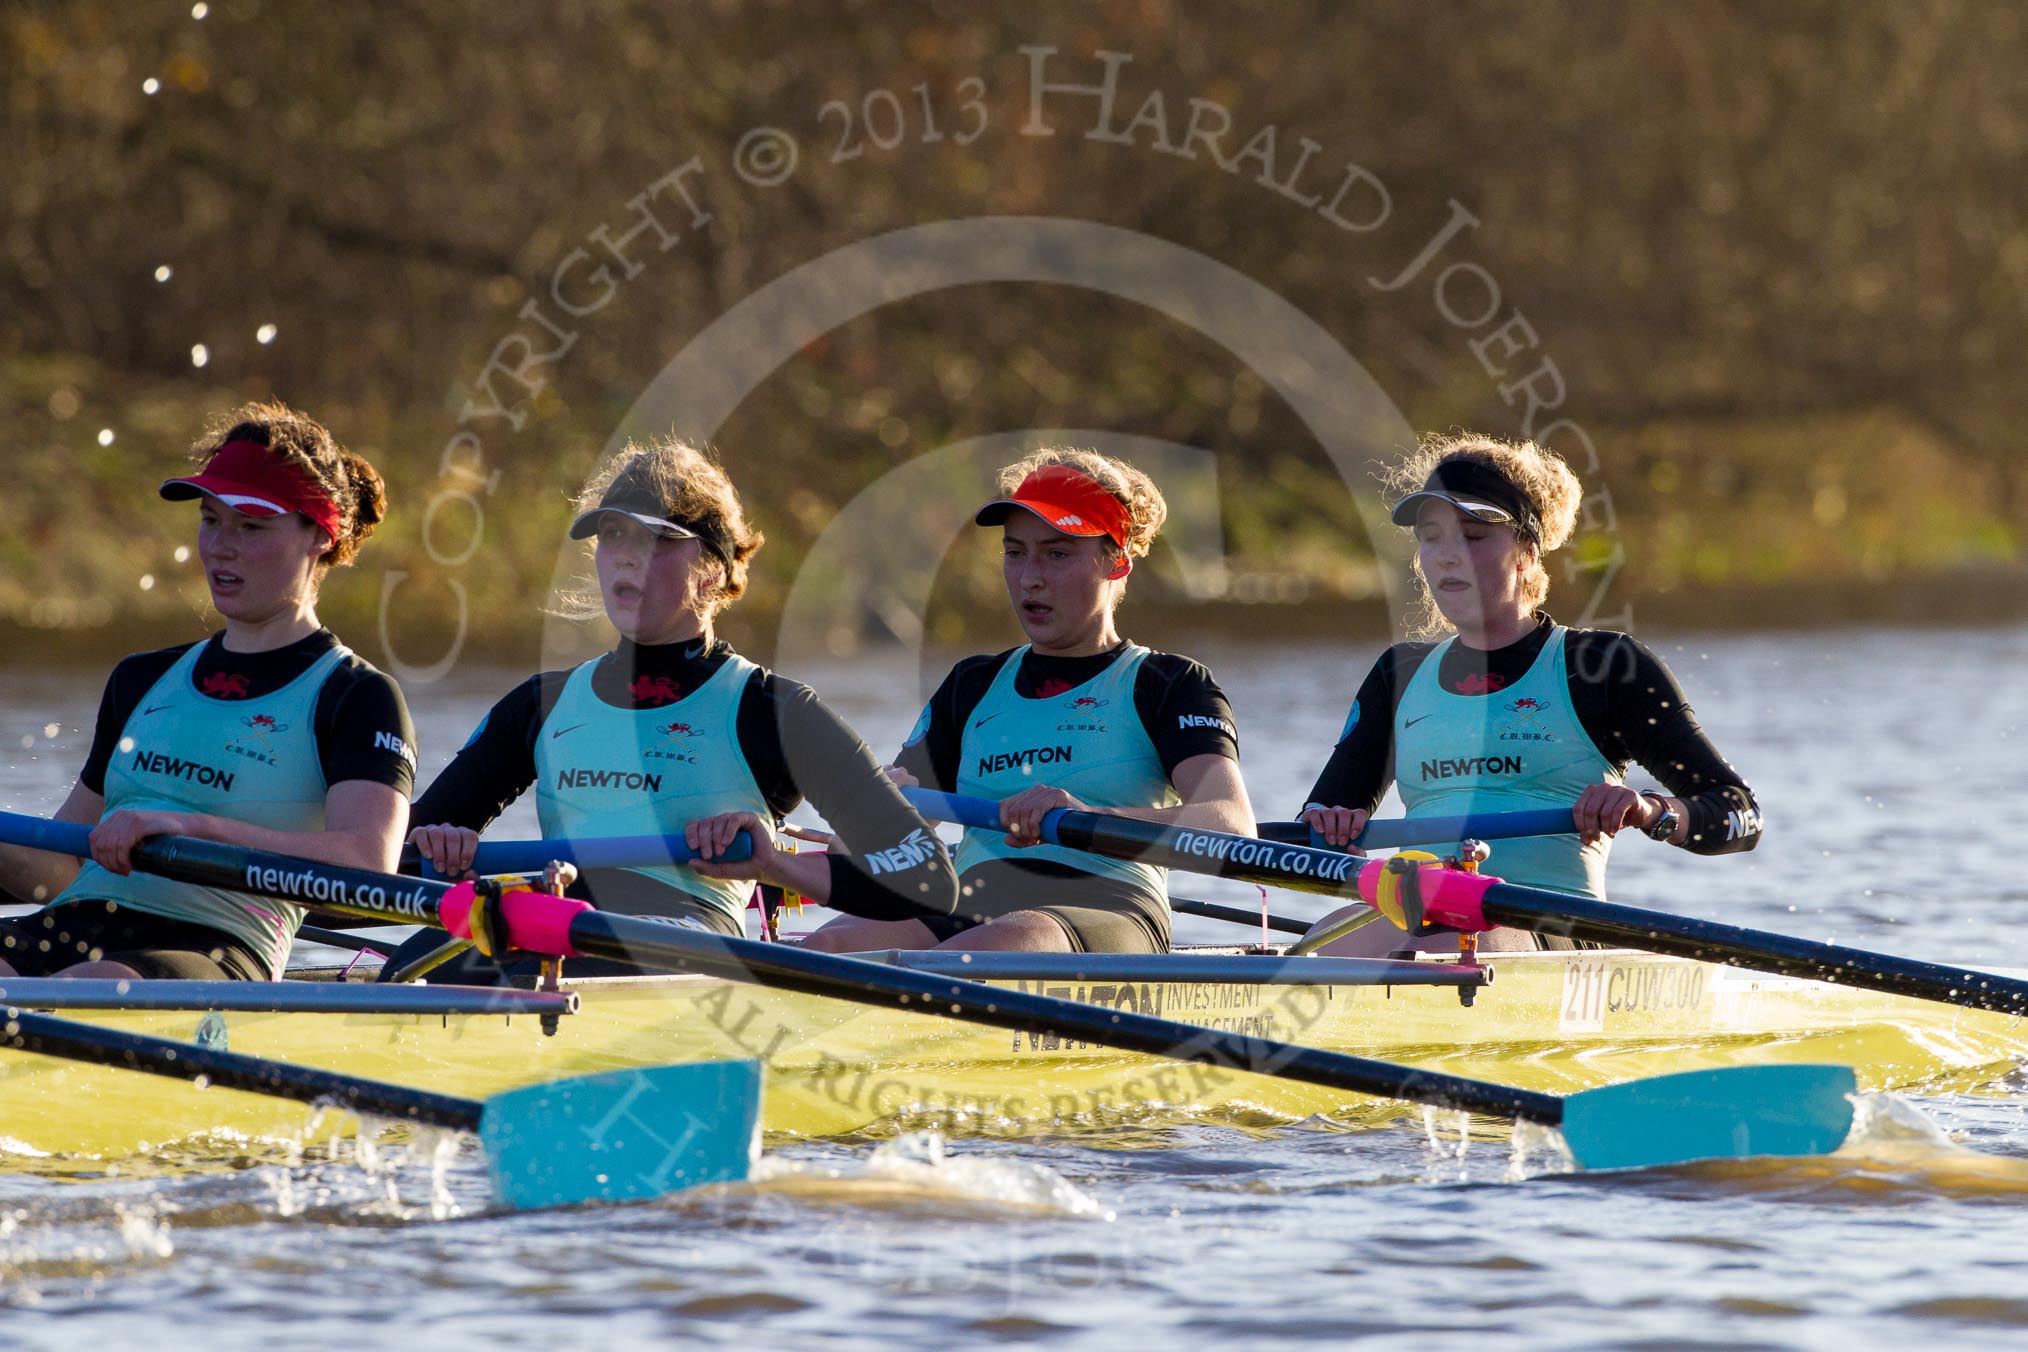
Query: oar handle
(1398, 833)
(498, 856)
(956, 808)
(45, 833)
(532, 856)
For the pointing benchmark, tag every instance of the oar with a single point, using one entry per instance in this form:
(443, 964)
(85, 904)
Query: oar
(533, 856)
(1478, 902)
(619, 1136)
(1756, 1110)
(1395, 833)
(1239, 915)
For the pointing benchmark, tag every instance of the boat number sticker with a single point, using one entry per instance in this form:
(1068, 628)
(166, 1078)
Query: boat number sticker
(1595, 988)
(1584, 984)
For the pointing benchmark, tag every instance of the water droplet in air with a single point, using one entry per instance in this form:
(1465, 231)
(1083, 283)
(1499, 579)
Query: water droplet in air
(105, 436)
(150, 86)
(199, 10)
(164, 272)
(265, 334)
(183, 553)
(199, 354)
(147, 582)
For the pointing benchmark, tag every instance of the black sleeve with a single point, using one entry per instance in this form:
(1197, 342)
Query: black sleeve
(886, 863)
(129, 683)
(495, 766)
(934, 745)
(364, 731)
(1361, 767)
(1635, 710)
(1184, 711)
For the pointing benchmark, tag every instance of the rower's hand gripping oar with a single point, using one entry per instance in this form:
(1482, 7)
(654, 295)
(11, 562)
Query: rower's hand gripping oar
(1453, 899)
(1758, 1110)
(619, 1136)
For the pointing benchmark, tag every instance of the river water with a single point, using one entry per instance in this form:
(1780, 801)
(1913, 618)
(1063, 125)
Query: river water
(1889, 764)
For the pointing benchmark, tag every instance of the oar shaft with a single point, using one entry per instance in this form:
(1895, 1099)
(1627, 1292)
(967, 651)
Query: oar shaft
(786, 967)
(1239, 915)
(1216, 853)
(533, 856)
(535, 921)
(1503, 903)
(1397, 833)
(48, 1036)
(1709, 941)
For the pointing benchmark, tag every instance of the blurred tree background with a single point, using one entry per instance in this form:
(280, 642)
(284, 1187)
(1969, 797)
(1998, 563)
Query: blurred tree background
(1776, 252)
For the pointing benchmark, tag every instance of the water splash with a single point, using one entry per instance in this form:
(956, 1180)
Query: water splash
(920, 1164)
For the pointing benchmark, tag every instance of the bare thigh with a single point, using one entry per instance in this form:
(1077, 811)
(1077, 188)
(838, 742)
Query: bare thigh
(1015, 932)
(853, 934)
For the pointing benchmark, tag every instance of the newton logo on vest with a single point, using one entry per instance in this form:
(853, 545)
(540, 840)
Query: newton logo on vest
(254, 743)
(157, 763)
(1025, 759)
(1454, 767)
(632, 780)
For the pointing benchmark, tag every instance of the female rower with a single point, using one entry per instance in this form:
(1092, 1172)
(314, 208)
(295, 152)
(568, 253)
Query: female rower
(1512, 710)
(270, 734)
(1078, 718)
(674, 732)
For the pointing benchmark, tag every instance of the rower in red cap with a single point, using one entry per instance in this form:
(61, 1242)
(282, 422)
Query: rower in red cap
(270, 734)
(1077, 717)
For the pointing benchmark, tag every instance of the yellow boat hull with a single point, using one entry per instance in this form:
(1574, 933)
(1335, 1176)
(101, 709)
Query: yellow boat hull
(1556, 1021)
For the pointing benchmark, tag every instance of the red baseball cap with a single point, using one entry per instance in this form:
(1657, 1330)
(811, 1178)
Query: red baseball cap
(255, 481)
(1068, 499)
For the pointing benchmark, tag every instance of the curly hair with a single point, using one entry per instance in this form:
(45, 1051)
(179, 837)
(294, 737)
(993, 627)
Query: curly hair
(1146, 511)
(1550, 485)
(351, 483)
(689, 482)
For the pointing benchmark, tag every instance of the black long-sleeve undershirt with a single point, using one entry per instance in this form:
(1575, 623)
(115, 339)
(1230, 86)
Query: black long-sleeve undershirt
(1625, 697)
(793, 743)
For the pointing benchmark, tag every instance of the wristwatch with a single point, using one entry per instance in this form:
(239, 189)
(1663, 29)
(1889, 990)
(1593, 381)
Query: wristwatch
(1666, 824)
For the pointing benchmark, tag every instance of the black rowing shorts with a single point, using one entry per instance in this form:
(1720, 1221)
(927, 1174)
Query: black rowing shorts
(61, 936)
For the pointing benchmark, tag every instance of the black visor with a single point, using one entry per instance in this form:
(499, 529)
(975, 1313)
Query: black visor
(1479, 491)
(630, 501)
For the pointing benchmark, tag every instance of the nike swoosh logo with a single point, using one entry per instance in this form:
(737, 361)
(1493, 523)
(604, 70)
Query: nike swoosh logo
(560, 731)
(1413, 721)
(157, 708)
(980, 723)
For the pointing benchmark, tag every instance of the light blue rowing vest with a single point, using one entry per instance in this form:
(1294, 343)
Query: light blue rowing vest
(601, 770)
(1088, 742)
(252, 760)
(1522, 747)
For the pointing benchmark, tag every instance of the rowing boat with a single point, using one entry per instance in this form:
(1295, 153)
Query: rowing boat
(1559, 1021)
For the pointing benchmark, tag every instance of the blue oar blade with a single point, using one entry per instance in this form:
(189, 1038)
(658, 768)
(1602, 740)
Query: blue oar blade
(625, 1135)
(1732, 1113)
